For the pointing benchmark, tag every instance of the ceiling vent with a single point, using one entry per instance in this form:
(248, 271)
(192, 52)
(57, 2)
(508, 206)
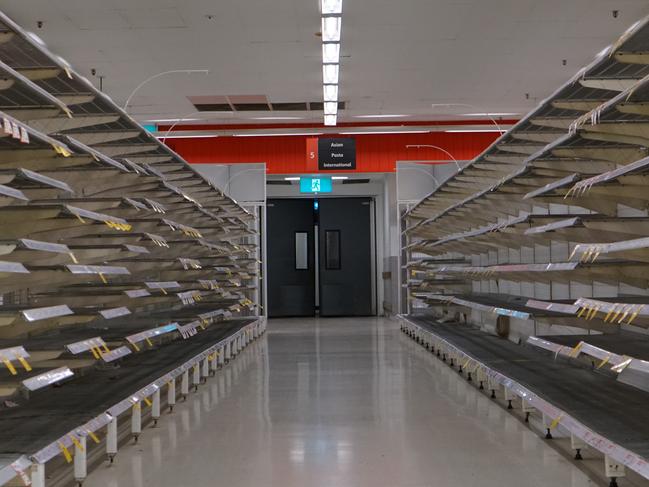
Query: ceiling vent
(318, 106)
(290, 107)
(253, 103)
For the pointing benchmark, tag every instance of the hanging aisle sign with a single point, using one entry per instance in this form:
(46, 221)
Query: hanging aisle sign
(336, 154)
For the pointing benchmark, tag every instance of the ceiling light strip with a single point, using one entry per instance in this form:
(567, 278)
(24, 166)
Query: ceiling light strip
(331, 20)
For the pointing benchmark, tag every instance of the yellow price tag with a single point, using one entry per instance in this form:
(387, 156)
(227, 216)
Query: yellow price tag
(25, 364)
(66, 452)
(556, 422)
(76, 442)
(10, 366)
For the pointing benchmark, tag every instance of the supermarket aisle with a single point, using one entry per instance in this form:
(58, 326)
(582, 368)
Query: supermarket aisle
(337, 402)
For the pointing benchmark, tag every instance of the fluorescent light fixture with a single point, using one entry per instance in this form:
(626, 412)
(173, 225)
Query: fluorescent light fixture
(339, 178)
(490, 114)
(277, 118)
(159, 120)
(468, 131)
(331, 108)
(292, 178)
(331, 7)
(376, 132)
(331, 29)
(179, 136)
(276, 135)
(330, 120)
(330, 73)
(330, 92)
(331, 53)
(380, 116)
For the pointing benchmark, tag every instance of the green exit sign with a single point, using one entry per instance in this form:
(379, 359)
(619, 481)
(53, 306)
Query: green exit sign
(316, 185)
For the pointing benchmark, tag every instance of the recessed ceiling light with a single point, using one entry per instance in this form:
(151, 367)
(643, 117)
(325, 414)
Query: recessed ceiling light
(376, 132)
(331, 29)
(380, 116)
(331, 7)
(180, 136)
(271, 134)
(488, 114)
(331, 108)
(330, 74)
(331, 53)
(159, 120)
(277, 118)
(330, 120)
(468, 131)
(330, 92)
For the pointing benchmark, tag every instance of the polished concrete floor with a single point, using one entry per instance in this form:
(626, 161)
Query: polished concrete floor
(338, 403)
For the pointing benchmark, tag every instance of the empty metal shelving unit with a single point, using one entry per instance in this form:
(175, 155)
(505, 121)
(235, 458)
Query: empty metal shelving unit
(529, 268)
(125, 277)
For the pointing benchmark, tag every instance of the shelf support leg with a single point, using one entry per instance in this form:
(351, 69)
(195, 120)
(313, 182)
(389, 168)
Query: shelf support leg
(136, 421)
(111, 439)
(155, 407)
(184, 385)
(38, 475)
(171, 394)
(80, 461)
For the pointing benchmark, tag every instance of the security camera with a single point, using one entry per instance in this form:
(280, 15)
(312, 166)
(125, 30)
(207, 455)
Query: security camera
(615, 13)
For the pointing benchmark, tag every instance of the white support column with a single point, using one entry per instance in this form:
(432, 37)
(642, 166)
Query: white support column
(38, 475)
(205, 372)
(80, 460)
(255, 332)
(136, 421)
(613, 470)
(111, 439)
(171, 394)
(196, 376)
(578, 445)
(214, 363)
(493, 387)
(547, 424)
(184, 384)
(228, 351)
(221, 356)
(527, 409)
(509, 397)
(155, 407)
(482, 378)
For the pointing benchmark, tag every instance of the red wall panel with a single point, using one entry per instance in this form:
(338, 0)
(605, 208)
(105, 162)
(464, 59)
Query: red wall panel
(374, 153)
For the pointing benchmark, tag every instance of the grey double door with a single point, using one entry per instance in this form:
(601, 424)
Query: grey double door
(319, 257)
